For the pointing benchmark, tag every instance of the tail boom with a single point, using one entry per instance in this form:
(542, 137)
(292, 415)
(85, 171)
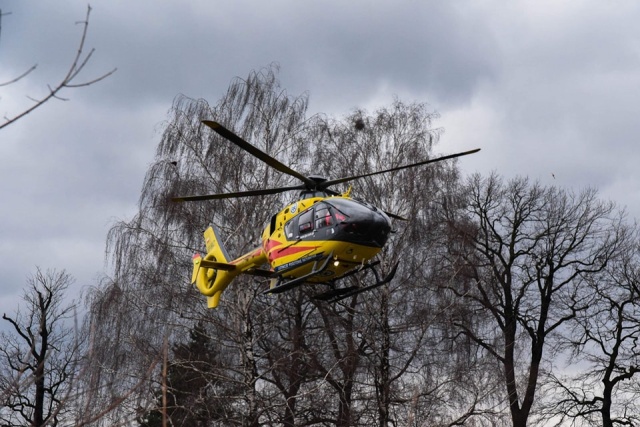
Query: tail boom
(213, 273)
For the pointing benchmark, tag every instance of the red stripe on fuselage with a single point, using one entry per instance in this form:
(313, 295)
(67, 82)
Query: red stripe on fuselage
(290, 250)
(256, 253)
(270, 244)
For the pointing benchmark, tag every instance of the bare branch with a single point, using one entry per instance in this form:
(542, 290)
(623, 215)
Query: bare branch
(33, 67)
(68, 81)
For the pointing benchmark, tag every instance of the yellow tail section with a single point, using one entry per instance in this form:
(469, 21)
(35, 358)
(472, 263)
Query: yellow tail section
(213, 274)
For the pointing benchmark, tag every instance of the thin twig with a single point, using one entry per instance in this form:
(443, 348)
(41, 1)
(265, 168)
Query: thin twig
(77, 65)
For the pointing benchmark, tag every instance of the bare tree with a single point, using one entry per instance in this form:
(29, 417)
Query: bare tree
(524, 253)
(605, 341)
(39, 358)
(68, 81)
(409, 368)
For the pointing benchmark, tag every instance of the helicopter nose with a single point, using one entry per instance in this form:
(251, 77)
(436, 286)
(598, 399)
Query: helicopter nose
(381, 227)
(370, 228)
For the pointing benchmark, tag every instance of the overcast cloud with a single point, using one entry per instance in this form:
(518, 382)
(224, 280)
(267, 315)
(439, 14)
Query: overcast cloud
(545, 88)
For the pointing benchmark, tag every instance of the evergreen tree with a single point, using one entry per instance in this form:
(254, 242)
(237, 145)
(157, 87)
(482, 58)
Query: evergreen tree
(194, 395)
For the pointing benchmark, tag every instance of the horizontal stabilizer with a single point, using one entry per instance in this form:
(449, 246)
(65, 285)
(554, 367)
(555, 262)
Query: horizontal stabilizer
(261, 272)
(217, 265)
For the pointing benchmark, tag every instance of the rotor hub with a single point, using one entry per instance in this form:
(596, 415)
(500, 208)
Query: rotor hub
(318, 180)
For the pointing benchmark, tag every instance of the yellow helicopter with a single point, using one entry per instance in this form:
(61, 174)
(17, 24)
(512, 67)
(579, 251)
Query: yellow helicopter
(320, 238)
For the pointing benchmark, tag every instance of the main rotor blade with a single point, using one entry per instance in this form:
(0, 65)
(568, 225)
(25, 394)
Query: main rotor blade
(248, 193)
(413, 165)
(256, 152)
(395, 216)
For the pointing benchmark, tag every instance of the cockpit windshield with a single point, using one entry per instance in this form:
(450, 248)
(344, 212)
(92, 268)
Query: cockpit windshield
(340, 219)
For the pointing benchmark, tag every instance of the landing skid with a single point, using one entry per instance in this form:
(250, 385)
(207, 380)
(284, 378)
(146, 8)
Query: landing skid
(337, 294)
(334, 294)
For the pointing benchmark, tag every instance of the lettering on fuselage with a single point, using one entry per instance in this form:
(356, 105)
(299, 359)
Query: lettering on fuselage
(297, 263)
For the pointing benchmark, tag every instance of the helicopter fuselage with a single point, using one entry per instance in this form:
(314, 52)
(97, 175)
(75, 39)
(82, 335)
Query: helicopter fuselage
(337, 232)
(349, 231)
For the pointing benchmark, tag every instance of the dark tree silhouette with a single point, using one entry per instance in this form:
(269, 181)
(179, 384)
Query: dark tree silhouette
(188, 397)
(524, 254)
(39, 358)
(605, 340)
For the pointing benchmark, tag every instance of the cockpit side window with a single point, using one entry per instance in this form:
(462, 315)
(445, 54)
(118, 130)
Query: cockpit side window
(337, 211)
(323, 217)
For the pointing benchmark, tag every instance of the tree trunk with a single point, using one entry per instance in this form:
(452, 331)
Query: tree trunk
(383, 386)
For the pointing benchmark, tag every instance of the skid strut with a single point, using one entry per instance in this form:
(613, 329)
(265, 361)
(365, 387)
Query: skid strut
(337, 294)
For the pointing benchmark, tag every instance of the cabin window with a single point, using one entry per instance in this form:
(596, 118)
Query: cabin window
(272, 225)
(288, 229)
(306, 221)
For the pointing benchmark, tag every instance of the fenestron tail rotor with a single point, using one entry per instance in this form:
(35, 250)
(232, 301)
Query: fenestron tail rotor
(309, 183)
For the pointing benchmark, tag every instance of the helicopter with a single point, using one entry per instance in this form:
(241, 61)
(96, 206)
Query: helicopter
(321, 238)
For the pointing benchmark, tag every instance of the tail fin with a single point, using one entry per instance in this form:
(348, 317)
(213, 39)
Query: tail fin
(213, 273)
(213, 243)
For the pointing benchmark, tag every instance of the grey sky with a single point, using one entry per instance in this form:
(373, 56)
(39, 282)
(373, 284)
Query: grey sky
(543, 87)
